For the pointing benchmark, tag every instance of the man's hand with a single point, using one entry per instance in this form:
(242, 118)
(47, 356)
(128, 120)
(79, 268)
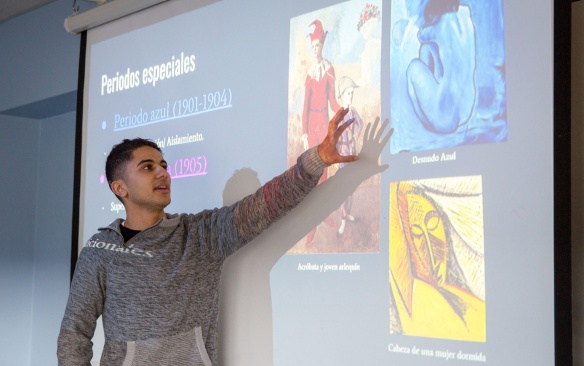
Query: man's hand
(327, 150)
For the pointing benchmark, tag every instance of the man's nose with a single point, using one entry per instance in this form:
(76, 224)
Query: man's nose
(161, 171)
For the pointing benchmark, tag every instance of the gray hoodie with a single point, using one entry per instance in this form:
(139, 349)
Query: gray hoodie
(158, 293)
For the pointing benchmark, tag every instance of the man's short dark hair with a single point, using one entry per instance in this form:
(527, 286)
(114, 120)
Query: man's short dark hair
(121, 154)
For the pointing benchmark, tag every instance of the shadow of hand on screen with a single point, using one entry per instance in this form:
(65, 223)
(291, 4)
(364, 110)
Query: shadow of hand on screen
(246, 303)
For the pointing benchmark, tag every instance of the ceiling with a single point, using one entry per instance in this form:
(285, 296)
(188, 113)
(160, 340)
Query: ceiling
(12, 8)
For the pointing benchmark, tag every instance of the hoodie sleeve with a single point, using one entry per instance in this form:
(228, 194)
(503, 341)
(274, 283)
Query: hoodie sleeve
(85, 305)
(223, 231)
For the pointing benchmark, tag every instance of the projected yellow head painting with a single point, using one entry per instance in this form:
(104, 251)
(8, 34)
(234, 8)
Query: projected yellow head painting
(436, 259)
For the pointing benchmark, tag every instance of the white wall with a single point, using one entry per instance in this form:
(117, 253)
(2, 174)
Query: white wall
(35, 245)
(38, 60)
(52, 248)
(19, 152)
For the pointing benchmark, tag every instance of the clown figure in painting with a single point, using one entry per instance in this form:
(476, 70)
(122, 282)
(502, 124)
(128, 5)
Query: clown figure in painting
(347, 144)
(319, 92)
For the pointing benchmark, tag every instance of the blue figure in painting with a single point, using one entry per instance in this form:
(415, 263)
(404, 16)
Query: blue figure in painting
(447, 74)
(441, 80)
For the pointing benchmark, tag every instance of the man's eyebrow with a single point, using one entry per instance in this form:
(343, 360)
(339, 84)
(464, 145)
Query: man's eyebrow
(150, 161)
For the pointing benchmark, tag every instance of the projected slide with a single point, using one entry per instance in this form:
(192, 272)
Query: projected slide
(445, 257)
(164, 96)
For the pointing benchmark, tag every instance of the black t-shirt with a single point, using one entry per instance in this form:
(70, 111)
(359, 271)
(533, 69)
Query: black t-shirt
(128, 233)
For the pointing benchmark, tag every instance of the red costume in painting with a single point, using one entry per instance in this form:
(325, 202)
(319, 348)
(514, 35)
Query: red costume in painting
(319, 93)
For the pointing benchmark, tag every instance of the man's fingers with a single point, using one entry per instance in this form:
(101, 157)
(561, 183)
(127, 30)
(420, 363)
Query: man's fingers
(338, 118)
(340, 115)
(343, 127)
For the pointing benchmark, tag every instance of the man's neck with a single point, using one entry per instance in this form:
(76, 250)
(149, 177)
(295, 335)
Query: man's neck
(142, 220)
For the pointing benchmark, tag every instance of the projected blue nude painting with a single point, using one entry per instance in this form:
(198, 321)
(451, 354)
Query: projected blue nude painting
(447, 74)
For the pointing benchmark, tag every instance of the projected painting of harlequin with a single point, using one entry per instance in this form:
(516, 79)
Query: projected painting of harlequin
(335, 56)
(447, 74)
(436, 259)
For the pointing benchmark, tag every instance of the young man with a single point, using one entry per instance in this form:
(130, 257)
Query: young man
(154, 277)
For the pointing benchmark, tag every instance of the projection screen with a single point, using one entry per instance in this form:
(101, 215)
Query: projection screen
(447, 256)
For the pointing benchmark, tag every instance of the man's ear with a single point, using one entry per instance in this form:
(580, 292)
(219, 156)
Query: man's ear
(119, 188)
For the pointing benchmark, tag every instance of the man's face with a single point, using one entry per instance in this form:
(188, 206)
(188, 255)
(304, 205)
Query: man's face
(146, 183)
